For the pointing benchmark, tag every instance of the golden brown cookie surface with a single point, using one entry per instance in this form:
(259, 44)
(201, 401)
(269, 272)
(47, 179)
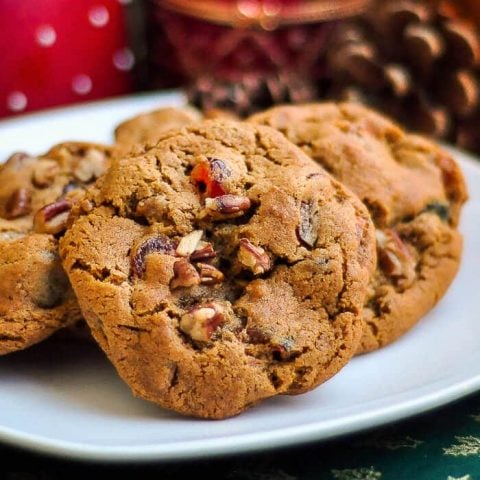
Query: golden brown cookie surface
(414, 191)
(221, 267)
(148, 127)
(36, 196)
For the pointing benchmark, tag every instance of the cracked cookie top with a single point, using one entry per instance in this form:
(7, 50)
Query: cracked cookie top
(414, 191)
(36, 195)
(221, 267)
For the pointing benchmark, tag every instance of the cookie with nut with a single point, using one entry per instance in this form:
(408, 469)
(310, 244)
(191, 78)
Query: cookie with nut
(221, 267)
(37, 194)
(414, 191)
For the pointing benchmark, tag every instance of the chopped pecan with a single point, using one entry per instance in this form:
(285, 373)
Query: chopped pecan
(52, 218)
(91, 166)
(201, 321)
(189, 243)
(225, 205)
(209, 176)
(253, 257)
(153, 244)
(203, 253)
(152, 208)
(307, 231)
(209, 275)
(18, 204)
(45, 172)
(394, 257)
(185, 274)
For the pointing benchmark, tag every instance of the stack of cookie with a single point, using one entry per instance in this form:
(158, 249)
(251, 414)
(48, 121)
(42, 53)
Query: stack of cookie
(218, 263)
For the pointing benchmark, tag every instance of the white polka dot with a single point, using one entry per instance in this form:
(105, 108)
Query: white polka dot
(82, 84)
(98, 16)
(46, 35)
(123, 59)
(17, 101)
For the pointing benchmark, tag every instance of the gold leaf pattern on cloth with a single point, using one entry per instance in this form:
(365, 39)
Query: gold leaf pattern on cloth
(465, 447)
(357, 474)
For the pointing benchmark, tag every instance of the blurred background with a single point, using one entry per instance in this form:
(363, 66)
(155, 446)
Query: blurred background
(418, 60)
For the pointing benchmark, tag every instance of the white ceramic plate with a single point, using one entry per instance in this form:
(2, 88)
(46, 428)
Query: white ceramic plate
(68, 401)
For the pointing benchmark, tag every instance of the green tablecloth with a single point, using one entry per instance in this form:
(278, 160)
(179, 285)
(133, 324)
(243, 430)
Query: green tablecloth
(440, 445)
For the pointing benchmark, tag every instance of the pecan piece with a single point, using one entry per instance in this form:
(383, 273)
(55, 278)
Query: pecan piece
(307, 231)
(45, 172)
(253, 257)
(52, 218)
(225, 205)
(200, 322)
(185, 274)
(203, 253)
(91, 166)
(209, 275)
(154, 244)
(189, 243)
(394, 257)
(18, 204)
(209, 176)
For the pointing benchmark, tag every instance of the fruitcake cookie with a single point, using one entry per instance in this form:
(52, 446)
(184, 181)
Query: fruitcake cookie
(36, 195)
(148, 127)
(414, 192)
(221, 267)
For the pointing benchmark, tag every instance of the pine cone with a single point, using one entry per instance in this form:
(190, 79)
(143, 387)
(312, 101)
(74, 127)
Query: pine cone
(250, 93)
(417, 61)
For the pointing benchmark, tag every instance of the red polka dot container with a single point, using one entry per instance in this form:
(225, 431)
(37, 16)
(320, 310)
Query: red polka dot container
(55, 52)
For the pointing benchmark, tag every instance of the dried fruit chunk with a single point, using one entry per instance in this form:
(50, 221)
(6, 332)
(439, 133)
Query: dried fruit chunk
(201, 321)
(253, 257)
(153, 244)
(226, 205)
(283, 350)
(18, 204)
(209, 275)
(45, 172)
(189, 243)
(52, 218)
(440, 209)
(394, 257)
(209, 176)
(307, 231)
(91, 166)
(185, 275)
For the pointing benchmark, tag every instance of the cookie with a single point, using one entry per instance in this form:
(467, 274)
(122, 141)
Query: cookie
(148, 127)
(414, 191)
(36, 194)
(221, 267)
